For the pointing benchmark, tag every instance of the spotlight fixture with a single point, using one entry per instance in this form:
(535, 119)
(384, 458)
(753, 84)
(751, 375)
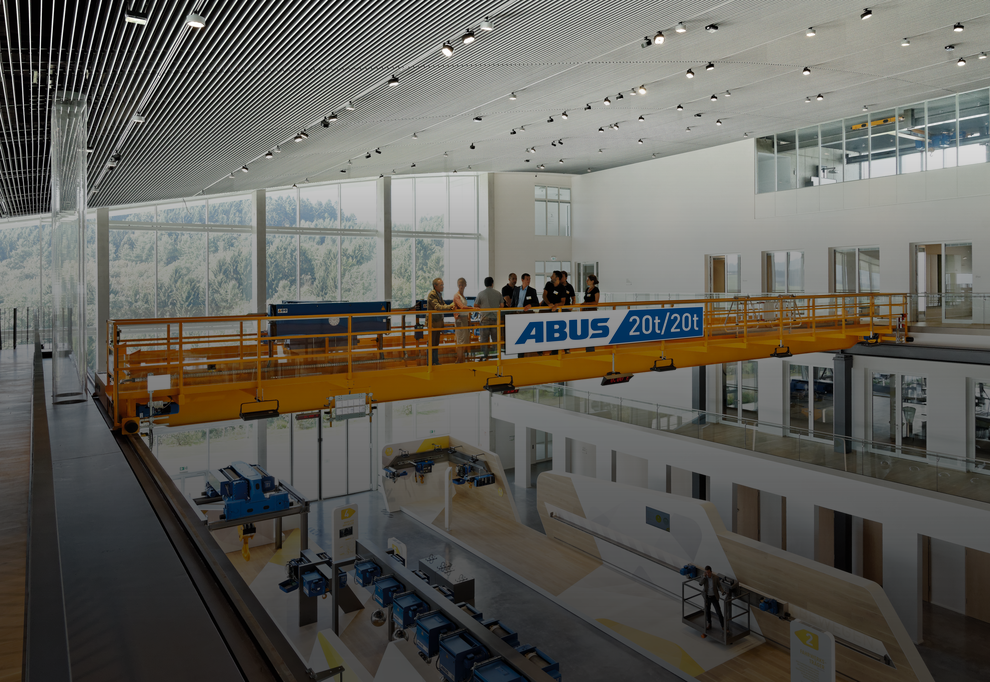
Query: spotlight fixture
(194, 20)
(865, 108)
(709, 67)
(349, 106)
(486, 25)
(711, 28)
(905, 42)
(961, 62)
(658, 38)
(601, 130)
(810, 32)
(641, 119)
(325, 122)
(368, 155)
(950, 48)
(807, 99)
(550, 119)
(138, 118)
(513, 96)
(601, 151)
(560, 161)
(472, 145)
(468, 37)
(714, 98)
(393, 81)
(867, 13)
(983, 55)
(135, 17)
(446, 154)
(525, 160)
(415, 136)
(269, 154)
(745, 134)
(718, 122)
(413, 166)
(477, 119)
(807, 71)
(564, 115)
(278, 149)
(690, 73)
(632, 93)
(641, 89)
(298, 137)
(616, 125)
(343, 170)
(619, 96)
(513, 132)
(553, 143)
(561, 142)
(541, 166)
(244, 169)
(688, 129)
(587, 107)
(231, 176)
(532, 150)
(522, 129)
(680, 28)
(639, 141)
(611, 126)
(728, 94)
(607, 101)
(680, 107)
(654, 155)
(378, 150)
(447, 49)
(958, 28)
(587, 170)
(698, 115)
(820, 97)
(646, 42)
(382, 175)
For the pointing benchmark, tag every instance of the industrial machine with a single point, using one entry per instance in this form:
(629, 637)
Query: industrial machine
(459, 651)
(332, 327)
(246, 490)
(405, 608)
(544, 662)
(365, 573)
(386, 587)
(469, 470)
(430, 626)
(495, 670)
(312, 572)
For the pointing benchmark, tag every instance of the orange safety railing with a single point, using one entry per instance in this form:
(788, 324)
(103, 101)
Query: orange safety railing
(237, 351)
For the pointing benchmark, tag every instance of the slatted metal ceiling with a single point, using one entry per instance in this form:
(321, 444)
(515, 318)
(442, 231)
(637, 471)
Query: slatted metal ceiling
(218, 98)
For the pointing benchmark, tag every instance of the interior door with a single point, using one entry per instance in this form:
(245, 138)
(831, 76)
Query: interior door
(717, 284)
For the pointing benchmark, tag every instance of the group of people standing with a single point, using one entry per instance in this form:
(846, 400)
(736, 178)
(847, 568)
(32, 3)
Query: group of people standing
(558, 294)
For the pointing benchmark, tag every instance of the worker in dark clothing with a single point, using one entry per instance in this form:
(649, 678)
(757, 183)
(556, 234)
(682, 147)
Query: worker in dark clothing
(570, 296)
(712, 588)
(508, 289)
(553, 295)
(434, 301)
(592, 295)
(524, 298)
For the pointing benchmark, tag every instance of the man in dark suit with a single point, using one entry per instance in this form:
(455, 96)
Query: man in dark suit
(524, 298)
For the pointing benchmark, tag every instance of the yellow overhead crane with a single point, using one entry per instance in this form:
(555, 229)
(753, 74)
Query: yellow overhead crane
(207, 369)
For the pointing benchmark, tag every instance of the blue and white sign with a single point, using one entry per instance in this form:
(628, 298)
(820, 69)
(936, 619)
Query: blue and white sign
(530, 333)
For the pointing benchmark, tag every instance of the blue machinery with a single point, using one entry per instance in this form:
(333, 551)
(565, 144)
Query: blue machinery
(246, 490)
(468, 469)
(463, 643)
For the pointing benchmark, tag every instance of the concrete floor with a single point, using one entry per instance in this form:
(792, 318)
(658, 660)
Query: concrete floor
(585, 654)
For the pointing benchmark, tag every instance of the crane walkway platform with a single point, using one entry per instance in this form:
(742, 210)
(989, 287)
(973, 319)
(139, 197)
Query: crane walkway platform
(221, 368)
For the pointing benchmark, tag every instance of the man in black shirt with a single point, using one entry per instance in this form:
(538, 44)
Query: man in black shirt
(570, 296)
(508, 289)
(553, 292)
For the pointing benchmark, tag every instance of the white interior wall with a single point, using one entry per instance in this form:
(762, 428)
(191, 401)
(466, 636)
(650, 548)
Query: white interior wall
(681, 483)
(581, 458)
(948, 575)
(704, 202)
(771, 519)
(631, 470)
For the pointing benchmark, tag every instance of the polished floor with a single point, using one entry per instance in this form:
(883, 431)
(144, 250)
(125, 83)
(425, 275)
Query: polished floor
(16, 378)
(955, 647)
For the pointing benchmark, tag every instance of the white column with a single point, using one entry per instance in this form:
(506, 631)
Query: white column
(524, 456)
(902, 575)
(102, 285)
(800, 520)
(559, 452)
(259, 288)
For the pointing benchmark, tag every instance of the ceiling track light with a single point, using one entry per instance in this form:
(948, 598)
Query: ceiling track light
(447, 49)
(619, 96)
(553, 143)
(298, 138)
(632, 92)
(688, 129)
(905, 42)
(468, 37)
(690, 73)
(278, 149)
(393, 81)
(641, 89)
(587, 107)
(601, 130)
(349, 106)
(350, 162)
(698, 115)
(728, 94)
(138, 118)
(446, 154)
(983, 55)
(714, 98)
(415, 136)
(606, 101)
(378, 150)
(532, 150)
(641, 119)
(472, 145)
(810, 32)
(486, 25)
(601, 151)
(561, 142)
(244, 169)
(958, 28)
(867, 13)
(718, 122)
(806, 71)
(680, 28)
(513, 96)
(646, 42)
(541, 166)
(950, 48)
(658, 38)
(820, 97)
(513, 132)
(413, 166)
(865, 108)
(961, 62)
(550, 119)
(745, 134)
(269, 154)
(564, 115)
(711, 28)
(560, 161)
(135, 17)
(807, 100)
(194, 20)
(367, 155)
(680, 107)
(639, 141)
(709, 66)
(477, 119)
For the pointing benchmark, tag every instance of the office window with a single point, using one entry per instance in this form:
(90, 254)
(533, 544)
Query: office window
(833, 166)
(912, 138)
(766, 165)
(809, 161)
(543, 269)
(974, 127)
(553, 211)
(857, 131)
(982, 422)
(942, 133)
(857, 270)
(883, 144)
(784, 272)
(740, 391)
(899, 412)
(811, 401)
(786, 160)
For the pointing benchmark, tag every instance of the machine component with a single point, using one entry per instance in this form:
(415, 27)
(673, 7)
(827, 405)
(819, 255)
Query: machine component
(422, 576)
(378, 618)
(506, 634)
(690, 570)
(423, 467)
(771, 606)
(365, 573)
(313, 572)
(495, 670)
(480, 480)
(393, 474)
(157, 408)
(445, 591)
(405, 608)
(246, 533)
(429, 628)
(386, 587)
(470, 610)
(537, 657)
(459, 651)
(246, 489)
(331, 327)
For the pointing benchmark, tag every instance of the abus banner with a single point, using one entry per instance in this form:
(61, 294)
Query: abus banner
(533, 332)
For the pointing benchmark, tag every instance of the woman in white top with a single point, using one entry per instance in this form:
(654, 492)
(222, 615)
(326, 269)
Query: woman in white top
(462, 321)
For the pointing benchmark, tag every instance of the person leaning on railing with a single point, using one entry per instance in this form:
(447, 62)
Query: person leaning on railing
(488, 298)
(434, 301)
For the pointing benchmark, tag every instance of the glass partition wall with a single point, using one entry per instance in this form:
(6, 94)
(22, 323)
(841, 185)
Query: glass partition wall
(941, 133)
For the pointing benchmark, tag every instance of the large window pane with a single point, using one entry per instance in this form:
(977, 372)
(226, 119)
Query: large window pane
(402, 272)
(132, 274)
(884, 405)
(787, 160)
(190, 212)
(857, 148)
(914, 412)
(429, 265)
(845, 271)
(565, 194)
(20, 269)
(824, 404)
(281, 258)
(800, 392)
(279, 441)
(777, 272)
(808, 157)
(431, 204)
(974, 127)
(730, 391)
(541, 192)
(883, 140)
(982, 421)
(911, 138)
(749, 392)
(553, 218)
(280, 208)
(358, 455)
(795, 271)
(833, 159)
(358, 273)
(766, 165)
(463, 204)
(358, 207)
(402, 205)
(138, 215)
(92, 323)
(869, 270)
(942, 132)
(541, 217)
(334, 453)
(231, 274)
(237, 211)
(318, 268)
(959, 281)
(461, 261)
(318, 206)
(565, 220)
(181, 274)
(732, 282)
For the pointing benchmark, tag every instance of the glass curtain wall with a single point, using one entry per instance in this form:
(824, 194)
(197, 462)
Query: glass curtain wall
(940, 133)
(899, 411)
(435, 233)
(811, 409)
(553, 211)
(20, 275)
(856, 270)
(784, 272)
